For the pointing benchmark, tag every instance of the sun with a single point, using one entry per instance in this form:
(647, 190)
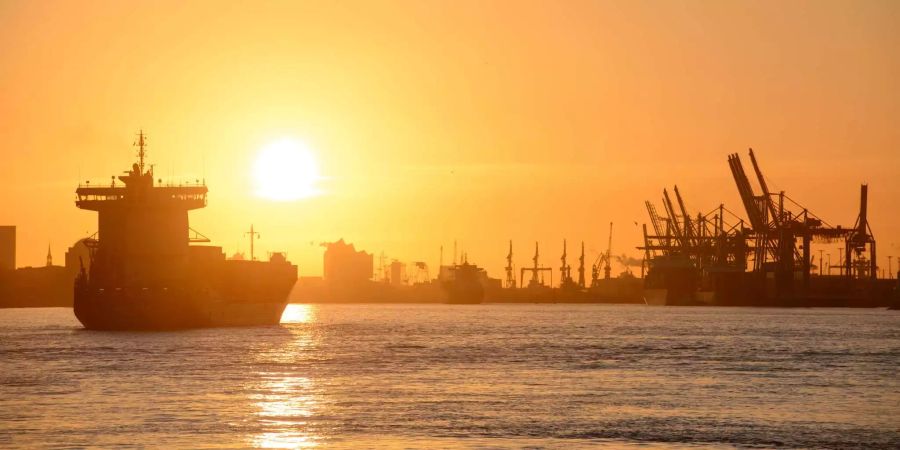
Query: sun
(286, 170)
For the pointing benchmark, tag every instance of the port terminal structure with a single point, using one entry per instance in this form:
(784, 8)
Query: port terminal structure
(567, 284)
(720, 258)
(536, 271)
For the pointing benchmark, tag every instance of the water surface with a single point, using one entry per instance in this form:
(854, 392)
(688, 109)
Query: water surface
(460, 376)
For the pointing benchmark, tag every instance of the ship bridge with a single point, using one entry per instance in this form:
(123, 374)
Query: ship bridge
(143, 228)
(185, 197)
(138, 190)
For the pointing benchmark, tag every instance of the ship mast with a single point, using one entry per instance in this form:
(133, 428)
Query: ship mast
(140, 144)
(254, 235)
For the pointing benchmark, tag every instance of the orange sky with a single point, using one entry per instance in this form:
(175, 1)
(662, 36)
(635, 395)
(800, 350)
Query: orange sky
(433, 121)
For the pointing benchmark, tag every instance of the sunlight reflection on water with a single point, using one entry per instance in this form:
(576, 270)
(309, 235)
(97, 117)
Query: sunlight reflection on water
(296, 313)
(442, 376)
(284, 409)
(286, 401)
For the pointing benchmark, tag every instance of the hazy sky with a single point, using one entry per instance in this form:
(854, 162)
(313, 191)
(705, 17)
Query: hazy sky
(478, 121)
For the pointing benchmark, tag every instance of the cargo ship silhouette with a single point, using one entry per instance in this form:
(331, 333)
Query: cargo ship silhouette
(464, 285)
(144, 274)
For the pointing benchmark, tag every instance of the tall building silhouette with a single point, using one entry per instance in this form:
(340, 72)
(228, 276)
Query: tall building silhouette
(344, 264)
(7, 247)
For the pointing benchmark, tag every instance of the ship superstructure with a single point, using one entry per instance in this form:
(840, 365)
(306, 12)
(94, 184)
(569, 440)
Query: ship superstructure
(465, 283)
(145, 274)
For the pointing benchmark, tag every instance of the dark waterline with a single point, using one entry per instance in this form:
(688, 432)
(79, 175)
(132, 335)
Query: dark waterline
(460, 376)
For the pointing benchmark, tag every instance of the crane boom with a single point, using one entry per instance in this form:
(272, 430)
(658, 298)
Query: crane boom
(767, 196)
(685, 217)
(654, 218)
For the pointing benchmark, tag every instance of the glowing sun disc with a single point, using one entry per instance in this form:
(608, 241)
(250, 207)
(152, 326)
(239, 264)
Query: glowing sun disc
(286, 170)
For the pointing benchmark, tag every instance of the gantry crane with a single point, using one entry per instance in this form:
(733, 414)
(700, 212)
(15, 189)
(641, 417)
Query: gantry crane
(775, 230)
(775, 237)
(855, 263)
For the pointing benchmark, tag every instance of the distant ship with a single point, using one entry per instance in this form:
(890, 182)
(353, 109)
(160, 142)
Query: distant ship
(895, 301)
(143, 274)
(672, 280)
(464, 285)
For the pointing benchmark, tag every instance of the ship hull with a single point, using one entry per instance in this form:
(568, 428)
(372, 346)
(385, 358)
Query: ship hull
(465, 287)
(704, 298)
(655, 297)
(166, 309)
(465, 301)
(465, 296)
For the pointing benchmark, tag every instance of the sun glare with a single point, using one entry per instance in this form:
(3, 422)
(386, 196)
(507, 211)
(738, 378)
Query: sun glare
(286, 170)
(297, 313)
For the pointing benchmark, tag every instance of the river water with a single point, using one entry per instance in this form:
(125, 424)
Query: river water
(472, 376)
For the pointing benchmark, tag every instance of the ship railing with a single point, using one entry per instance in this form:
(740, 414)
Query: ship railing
(189, 197)
(116, 184)
(109, 196)
(99, 197)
